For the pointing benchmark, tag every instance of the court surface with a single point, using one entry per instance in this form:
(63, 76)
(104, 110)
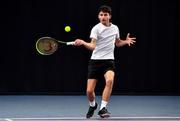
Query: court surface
(74, 108)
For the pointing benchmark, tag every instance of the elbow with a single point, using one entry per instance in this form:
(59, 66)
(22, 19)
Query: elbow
(93, 47)
(118, 44)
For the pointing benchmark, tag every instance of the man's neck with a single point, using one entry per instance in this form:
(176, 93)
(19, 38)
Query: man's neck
(107, 24)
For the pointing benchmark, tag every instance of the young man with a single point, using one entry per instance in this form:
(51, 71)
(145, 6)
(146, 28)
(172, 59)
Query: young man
(104, 37)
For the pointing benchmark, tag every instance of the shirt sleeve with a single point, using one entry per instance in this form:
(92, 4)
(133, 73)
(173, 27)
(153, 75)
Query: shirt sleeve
(93, 33)
(118, 34)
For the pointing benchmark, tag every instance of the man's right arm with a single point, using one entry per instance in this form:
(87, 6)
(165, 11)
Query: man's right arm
(89, 45)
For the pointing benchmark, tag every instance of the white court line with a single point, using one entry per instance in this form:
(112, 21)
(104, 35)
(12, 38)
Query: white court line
(7, 119)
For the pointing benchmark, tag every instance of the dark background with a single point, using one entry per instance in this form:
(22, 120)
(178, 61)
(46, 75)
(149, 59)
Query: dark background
(148, 67)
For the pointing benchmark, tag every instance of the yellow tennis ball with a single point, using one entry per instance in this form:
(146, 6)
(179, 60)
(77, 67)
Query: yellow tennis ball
(67, 28)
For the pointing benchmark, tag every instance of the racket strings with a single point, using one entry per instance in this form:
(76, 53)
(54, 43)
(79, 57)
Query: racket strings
(47, 46)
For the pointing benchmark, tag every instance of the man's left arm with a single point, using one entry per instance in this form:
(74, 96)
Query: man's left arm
(129, 41)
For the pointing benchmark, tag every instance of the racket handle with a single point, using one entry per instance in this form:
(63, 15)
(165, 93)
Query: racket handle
(70, 43)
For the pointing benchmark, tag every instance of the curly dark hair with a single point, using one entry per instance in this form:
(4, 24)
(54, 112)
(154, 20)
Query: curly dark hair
(105, 9)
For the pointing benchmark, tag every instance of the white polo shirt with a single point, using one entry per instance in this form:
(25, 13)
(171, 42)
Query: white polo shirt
(105, 41)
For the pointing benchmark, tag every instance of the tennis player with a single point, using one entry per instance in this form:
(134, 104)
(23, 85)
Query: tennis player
(104, 37)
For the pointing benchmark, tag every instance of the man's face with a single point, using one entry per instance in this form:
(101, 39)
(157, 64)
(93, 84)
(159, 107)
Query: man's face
(104, 18)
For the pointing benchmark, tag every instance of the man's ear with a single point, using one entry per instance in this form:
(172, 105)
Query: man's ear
(110, 16)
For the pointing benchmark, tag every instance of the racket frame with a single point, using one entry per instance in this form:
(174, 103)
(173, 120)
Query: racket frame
(57, 44)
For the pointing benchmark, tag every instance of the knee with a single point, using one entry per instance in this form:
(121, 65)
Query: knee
(109, 82)
(89, 92)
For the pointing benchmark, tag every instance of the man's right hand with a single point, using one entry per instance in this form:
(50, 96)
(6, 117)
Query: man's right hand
(79, 42)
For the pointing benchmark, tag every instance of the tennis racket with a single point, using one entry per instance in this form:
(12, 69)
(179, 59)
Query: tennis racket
(49, 45)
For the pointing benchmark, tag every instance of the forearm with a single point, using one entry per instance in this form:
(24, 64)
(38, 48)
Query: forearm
(89, 46)
(120, 43)
(129, 41)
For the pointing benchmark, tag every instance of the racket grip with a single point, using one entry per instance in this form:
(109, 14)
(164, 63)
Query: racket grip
(70, 43)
